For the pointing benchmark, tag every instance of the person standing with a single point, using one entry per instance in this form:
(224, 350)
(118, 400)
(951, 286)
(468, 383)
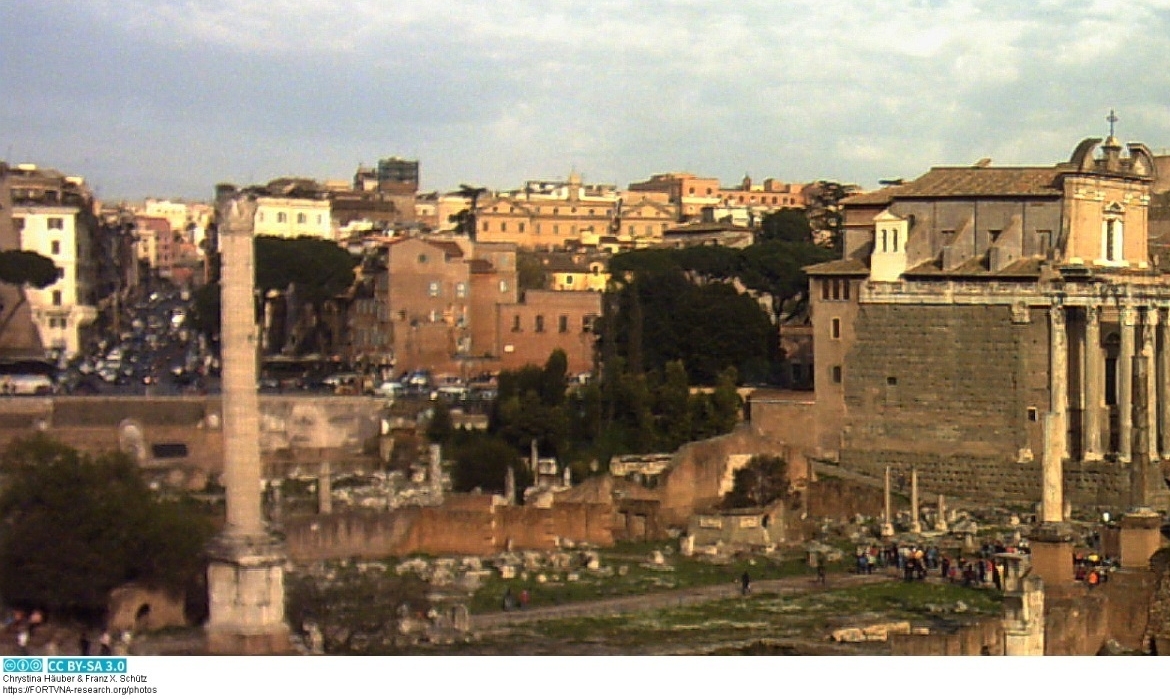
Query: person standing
(745, 581)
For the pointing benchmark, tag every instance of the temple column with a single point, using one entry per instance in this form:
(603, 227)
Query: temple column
(1055, 433)
(1125, 385)
(915, 525)
(1149, 342)
(1092, 385)
(888, 524)
(1163, 374)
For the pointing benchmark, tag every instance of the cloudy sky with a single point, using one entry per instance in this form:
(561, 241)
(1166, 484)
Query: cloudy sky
(168, 97)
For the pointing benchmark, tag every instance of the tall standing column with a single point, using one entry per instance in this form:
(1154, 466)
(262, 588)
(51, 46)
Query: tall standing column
(888, 524)
(1149, 342)
(245, 575)
(1092, 383)
(1125, 385)
(1055, 434)
(915, 525)
(1163, 378)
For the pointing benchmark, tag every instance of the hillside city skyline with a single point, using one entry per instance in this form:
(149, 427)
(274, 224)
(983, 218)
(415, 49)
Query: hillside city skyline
(168, 98)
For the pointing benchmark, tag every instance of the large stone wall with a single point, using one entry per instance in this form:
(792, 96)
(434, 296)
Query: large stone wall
(465, 525)
(294, 429)
(946, 389)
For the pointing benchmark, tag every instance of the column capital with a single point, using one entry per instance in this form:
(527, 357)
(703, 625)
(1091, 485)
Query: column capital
(1056, 315)
(1150, 315)
(1128, 315)
(1092, 314)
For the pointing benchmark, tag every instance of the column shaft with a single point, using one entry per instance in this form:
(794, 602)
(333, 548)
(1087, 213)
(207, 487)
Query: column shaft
(1149, 343)
(1091, 360)
(1163, 372)
(1125, 385)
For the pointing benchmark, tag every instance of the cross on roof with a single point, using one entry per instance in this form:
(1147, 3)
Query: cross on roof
(1112, 119)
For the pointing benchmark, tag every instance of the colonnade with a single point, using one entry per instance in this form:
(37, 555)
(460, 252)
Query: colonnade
(1142, 332)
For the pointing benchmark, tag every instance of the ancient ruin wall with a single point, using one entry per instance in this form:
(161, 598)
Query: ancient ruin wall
(455, 528)
(946, 389)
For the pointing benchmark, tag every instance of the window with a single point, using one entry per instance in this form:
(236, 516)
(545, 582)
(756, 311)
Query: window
(994, 235)
(504, 227)
(56, 298)
(516, 323)
(56, 223)
(563, 324)
(301, 218)
(891, 380)
(18, 222)
(1033, 415)
(845, 289)
(588, 322)
(433, 289)
(520, 226)
(461, 290)
(568, 279)
(836, 373)
(422, 259)
(539, 324)
(503, 286)
(55, 247)
(824, 289)
(485, 226)
(282, 217)
(1112, 240)
(835, 329)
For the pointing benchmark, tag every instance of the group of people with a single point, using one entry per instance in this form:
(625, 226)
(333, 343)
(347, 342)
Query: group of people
(28, 628)
(916, 562)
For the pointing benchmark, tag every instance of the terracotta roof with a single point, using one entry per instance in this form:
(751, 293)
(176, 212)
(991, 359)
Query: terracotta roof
(1028, 267)
(447, 246)
(971, 182)
(838, 267)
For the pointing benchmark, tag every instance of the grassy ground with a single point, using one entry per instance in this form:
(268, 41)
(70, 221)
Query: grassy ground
(638, 579)
(731, 624)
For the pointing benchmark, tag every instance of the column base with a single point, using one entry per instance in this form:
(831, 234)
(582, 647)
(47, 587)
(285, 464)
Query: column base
(915, 528)
(1093, 456)
(245, 590)
(1052, 554)
(887, 530)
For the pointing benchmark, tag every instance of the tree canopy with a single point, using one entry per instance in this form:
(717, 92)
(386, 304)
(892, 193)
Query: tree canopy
(77, 526)
(763, 480)
(24, 267)
(317, 270)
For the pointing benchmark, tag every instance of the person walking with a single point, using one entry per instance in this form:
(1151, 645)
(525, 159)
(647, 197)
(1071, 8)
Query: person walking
(745, 581)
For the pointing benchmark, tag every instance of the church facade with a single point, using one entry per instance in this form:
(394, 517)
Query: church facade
(983, 320)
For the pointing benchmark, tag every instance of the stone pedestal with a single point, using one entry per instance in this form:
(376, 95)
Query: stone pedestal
(245, 590)
(1140, 537)
(325, 489)
(1052, 555)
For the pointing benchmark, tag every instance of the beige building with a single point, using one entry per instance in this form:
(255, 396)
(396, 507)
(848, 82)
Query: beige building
(553, 215)
(54, 215)
(294, 217)
(704, 198)
(987, 321)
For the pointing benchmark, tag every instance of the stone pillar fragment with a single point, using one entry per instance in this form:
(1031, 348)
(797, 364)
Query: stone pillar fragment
(1149, 342)
(1093, 384)
(915, 525)
(325, 489)
(1125, 385)
(888, 524)
(1058, 377)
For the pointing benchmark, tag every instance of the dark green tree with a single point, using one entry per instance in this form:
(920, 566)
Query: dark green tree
(788, 225)
(530, 272)
(825, 212)
(761, 481)
(77, 526)
(482, 461)
(317, 270)
(24, 268)
(440, 428)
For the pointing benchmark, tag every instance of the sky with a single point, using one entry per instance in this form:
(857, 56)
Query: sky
(166, 98)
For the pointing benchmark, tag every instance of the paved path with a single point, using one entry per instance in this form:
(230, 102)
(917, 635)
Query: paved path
(676, 598)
